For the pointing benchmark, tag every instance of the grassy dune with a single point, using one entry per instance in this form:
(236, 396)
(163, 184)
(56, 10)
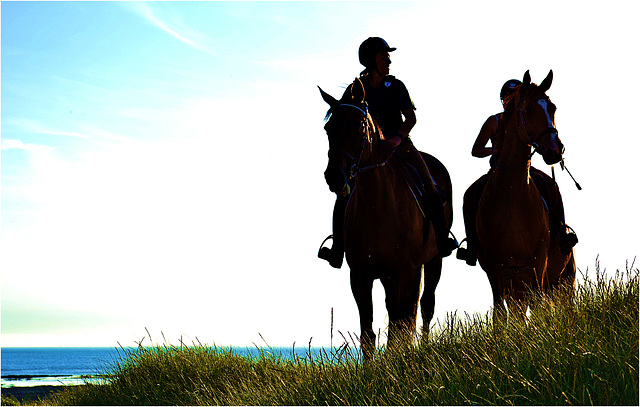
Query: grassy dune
(572, 350)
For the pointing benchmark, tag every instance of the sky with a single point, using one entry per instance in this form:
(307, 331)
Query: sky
(162, 162)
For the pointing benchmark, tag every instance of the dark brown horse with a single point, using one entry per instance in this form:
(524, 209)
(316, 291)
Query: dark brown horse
(383, 229)
(516, 248)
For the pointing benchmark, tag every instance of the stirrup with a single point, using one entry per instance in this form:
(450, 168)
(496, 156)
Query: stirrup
(323, 242)
(567, 239)
(465, 254)
(462, 251)
(326, 253)
(448, 245)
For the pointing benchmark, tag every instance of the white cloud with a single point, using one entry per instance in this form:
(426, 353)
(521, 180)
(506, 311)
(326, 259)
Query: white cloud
(177, 31)
(32, 126)
(10, 144)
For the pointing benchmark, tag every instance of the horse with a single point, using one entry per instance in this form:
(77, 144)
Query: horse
(516, 249)
(383, 227)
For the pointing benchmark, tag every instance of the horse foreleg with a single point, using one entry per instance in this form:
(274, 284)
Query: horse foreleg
(499, 307)
(499, 313)
(361, 288)
(432, 272)
(402, 295)
(517, 306)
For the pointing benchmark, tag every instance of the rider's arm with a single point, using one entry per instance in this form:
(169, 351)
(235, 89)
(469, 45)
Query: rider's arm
(407, 125)
(409, 122)
(479, 147)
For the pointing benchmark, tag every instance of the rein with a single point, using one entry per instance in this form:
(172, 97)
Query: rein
(367, 125)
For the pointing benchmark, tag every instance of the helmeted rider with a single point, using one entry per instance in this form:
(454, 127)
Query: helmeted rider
(545, 184)
(391, 107)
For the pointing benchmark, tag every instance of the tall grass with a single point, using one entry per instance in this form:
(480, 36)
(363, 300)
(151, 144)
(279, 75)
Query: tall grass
(575, 348)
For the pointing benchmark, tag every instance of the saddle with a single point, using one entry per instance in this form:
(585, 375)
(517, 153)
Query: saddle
(416, 186)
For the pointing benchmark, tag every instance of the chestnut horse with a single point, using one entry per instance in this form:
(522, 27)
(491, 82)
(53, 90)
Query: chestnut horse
(516, 248)
(383, 229)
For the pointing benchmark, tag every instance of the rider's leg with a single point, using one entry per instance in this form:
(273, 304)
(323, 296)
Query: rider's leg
(470, 203)
(551, 193)
(408, 152)
(335, 255)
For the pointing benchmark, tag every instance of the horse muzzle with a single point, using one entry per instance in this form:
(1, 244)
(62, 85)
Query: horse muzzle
(553, 149)
(554, 153)
(337, 181)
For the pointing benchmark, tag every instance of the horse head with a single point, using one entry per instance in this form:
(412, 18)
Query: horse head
(348, 127)
(537, 115)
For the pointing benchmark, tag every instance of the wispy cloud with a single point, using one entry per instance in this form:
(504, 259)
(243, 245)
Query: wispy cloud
(177, 31)
(86, 131)
(33, 127)
(9, 144)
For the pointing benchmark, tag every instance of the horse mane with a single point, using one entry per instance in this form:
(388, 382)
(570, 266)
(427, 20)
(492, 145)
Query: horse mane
(347, 98)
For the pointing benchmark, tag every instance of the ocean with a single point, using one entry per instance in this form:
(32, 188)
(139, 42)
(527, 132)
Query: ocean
(64, 366)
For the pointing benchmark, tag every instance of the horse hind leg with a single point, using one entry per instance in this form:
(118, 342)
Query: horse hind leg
(361, 288)
(567, 279)
(568, 276)
(517, 306)
(432, 272)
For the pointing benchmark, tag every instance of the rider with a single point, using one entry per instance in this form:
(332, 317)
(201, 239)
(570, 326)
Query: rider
(545, 184)
(392, 108)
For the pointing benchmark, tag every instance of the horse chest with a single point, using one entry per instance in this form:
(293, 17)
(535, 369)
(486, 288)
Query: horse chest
(509, 218)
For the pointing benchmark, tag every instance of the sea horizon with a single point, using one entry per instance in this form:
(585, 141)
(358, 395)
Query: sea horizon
(56, 366)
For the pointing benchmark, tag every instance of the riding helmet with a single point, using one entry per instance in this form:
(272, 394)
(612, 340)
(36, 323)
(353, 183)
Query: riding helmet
(369, 48)
(509, 87)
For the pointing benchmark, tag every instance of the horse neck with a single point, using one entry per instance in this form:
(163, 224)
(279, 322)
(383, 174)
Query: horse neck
(373, 167)
(375, 151)
(515, 156)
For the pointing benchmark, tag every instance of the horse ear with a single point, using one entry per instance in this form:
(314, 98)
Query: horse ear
(357, 91)
(546, 83)
(526, 80)
(328, 98)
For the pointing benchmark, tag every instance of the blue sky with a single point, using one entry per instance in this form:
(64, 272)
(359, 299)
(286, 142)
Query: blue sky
(162, 162)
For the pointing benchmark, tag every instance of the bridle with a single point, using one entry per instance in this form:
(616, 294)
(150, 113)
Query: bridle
(367, 128)
(532, 142)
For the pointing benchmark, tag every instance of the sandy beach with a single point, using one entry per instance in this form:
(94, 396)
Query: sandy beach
(30, 393)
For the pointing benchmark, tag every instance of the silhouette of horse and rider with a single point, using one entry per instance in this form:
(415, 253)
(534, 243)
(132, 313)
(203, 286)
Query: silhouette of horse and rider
(393, 209)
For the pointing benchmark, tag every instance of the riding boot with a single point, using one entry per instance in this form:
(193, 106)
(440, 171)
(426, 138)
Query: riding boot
(470, 202)
(567, 238)
(468, 254)
(335, 254)
(445, 244)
